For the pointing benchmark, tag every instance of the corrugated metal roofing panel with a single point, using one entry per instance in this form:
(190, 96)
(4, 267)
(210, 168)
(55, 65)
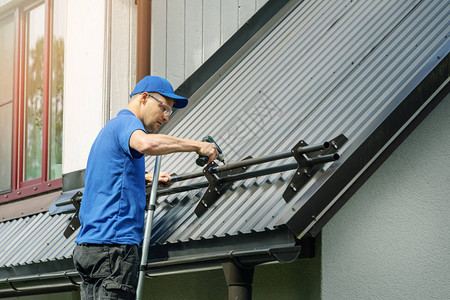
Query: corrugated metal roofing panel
(329, 67)
(34, 239)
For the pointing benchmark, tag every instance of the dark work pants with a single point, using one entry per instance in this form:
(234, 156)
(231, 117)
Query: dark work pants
(108, 271)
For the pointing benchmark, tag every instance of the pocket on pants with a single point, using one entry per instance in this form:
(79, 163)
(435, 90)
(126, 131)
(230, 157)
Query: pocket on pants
(117, 290)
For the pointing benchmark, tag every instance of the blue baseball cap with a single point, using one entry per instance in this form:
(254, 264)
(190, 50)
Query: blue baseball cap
(156, 84)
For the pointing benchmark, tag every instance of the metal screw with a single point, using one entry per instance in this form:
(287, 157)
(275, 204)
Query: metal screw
(293, 187)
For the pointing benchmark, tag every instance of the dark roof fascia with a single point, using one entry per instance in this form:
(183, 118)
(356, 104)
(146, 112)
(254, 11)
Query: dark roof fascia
(222, 61)
(431, 80)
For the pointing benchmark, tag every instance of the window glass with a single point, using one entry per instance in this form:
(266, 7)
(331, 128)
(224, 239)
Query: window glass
(6, 97)
(5, 146)
(6, 59)
(34, 93)
(57, 90)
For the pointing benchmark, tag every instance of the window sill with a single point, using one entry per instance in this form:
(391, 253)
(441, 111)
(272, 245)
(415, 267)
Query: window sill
(33, 190)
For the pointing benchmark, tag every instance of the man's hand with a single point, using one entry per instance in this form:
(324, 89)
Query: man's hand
(209, 150)
(163, 180)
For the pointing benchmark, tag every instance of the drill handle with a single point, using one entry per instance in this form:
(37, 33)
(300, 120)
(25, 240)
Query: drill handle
(202, 160)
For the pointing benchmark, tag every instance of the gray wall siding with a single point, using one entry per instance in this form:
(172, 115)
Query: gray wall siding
(186, 33)
(391, 240)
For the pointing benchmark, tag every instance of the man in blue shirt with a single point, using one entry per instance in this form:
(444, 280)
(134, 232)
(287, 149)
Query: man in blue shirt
(113, 206)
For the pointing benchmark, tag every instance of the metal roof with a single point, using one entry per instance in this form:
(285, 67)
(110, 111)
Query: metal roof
(326, 68)
(34, 239)
(329, 67)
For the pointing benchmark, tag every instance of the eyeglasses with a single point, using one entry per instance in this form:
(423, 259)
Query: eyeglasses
(166, 110)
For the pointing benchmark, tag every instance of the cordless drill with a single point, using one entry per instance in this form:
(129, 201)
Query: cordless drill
(202, 160)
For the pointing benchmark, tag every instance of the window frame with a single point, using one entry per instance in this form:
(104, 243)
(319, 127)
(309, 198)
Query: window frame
(19, 187)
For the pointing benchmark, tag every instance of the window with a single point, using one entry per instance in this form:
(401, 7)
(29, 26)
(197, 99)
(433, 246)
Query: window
(31, 98)
(6, 99)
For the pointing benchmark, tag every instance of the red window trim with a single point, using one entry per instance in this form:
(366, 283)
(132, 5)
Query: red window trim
(19, 188)
(32, 190)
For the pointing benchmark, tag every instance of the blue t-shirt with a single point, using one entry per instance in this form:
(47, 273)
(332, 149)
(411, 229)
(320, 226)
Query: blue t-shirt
(113, 205)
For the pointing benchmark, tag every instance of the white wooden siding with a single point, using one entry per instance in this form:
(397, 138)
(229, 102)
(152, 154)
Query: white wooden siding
(84, 73)
(185, 33)
(100, 71)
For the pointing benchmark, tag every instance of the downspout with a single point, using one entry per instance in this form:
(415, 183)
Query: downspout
(239, 280)
(144, 25)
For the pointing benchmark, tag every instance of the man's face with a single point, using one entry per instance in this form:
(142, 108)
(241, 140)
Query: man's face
(156, 112)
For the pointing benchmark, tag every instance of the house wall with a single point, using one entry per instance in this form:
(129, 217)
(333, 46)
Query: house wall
(122, 52)
(186, 33)
(100, 71)
(74, 295)
(84, 80)
(391, 239)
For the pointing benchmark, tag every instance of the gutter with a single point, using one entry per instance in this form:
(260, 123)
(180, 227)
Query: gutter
(200, 262)
(40, 284)
(69, 280)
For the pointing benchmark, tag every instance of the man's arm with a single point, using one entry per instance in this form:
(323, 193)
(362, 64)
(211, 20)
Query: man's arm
(160, 144)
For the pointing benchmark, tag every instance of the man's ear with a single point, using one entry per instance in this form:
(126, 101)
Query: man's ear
(144, 96)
